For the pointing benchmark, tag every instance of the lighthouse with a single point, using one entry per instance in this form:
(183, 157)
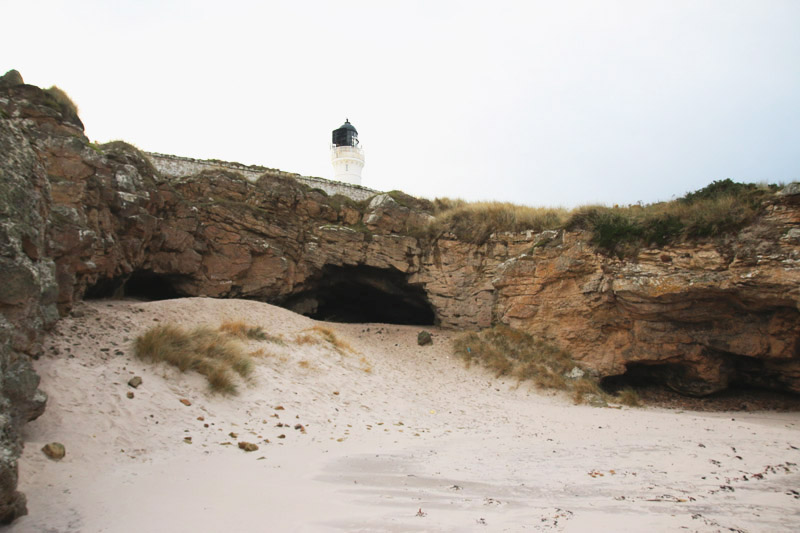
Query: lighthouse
(347, 156)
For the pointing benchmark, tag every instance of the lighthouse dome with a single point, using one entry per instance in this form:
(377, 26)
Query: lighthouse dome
(345, 135)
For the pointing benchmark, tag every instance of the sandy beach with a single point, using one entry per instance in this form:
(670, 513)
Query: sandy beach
(390, 436)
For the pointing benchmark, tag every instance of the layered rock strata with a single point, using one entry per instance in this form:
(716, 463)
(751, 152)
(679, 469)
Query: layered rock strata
(80, 220)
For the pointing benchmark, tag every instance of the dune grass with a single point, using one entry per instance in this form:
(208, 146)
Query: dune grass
(243, 330)
(320, 334)
(366, 366)
(516, 354)
(510, 352)
(304, 339)
(218, 354)
(629, 397)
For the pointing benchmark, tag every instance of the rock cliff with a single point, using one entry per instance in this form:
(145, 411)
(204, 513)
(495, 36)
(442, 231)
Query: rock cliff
(83, 221)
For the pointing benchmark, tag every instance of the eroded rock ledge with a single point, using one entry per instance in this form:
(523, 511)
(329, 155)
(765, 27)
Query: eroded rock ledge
(80, 220)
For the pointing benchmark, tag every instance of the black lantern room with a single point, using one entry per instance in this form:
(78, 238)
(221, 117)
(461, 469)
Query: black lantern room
(345, 135)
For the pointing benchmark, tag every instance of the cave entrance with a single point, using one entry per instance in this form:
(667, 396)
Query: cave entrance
(750, 386)
(359, 294)
(141, 285)
(642, 375)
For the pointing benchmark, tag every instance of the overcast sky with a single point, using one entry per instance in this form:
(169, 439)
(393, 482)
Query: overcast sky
(543, 103)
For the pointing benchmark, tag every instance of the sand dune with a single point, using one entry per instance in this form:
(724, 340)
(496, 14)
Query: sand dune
(394, 437)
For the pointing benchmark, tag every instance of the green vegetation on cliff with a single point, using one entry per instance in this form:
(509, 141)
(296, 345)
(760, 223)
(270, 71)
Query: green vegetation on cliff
(722, 207)
(476, 221)
(62, 100)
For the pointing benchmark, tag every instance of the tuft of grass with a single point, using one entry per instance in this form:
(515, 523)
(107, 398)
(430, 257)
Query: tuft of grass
(475, 222)
(212, 353)
(125, 152)
(219, 379)
(243, 330)
(366, 366)
(330, 337)
(237, 329)
(261, 354)
(510, 352)
(306, 338)
(583, 388)
(629, 397)
(412, 202)
(63, 101)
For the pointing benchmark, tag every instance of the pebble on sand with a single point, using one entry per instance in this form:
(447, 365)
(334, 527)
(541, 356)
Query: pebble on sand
(424, 337)
(54, 450)
(248, 446)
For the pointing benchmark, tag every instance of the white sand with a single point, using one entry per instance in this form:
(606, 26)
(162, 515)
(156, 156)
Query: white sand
(417, 432)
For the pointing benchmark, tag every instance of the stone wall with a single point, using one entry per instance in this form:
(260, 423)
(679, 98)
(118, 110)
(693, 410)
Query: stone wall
(175, 167)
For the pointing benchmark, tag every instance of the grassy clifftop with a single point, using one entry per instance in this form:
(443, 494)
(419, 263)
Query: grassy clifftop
(722, 207)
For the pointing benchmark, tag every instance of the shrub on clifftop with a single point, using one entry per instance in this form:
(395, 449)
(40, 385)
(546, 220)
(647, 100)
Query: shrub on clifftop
(11, 78)
(63, 100)
(476, 221)
(721, 208)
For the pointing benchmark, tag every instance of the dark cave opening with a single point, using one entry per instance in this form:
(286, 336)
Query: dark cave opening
(750, 386)
(358, 294)
(142, 285)
(149, 286)
(639, 375)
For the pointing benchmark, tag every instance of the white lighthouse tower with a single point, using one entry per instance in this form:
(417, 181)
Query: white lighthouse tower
(346, 154)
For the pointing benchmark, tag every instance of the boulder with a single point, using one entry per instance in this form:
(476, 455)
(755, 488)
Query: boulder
(424, 338)
(11, 78)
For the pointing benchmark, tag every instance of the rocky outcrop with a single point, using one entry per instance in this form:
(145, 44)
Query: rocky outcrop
(699, 317)
(28, 289)
(82, 221)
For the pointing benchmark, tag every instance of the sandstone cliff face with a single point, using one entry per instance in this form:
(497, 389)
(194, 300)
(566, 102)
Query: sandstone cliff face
(707, 312)
(701, 316)
(85, 221)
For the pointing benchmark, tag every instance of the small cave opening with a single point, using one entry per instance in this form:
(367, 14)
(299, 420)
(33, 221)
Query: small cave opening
(141, 285)
(750, 387)
(642, 375)
(363, 294)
